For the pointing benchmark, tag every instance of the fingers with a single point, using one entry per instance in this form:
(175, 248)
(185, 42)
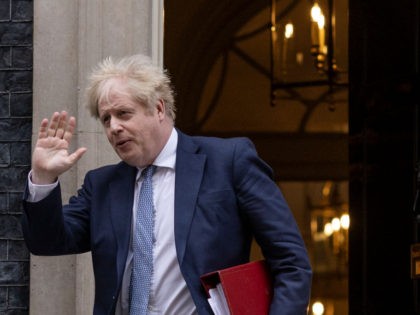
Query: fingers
(50, 130)
(58, 126)
(61, 127)
(51, 156)
(71, 126)
(43, 129)
(54, 122)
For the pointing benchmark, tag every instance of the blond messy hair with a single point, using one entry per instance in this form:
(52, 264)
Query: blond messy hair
(146, 83)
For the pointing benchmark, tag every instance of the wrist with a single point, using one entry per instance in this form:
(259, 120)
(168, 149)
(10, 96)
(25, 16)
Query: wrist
(39, 178)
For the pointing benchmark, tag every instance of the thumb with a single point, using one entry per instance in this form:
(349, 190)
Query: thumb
(76, 155)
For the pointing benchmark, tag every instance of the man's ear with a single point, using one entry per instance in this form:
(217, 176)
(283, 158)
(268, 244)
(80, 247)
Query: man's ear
(161, 110)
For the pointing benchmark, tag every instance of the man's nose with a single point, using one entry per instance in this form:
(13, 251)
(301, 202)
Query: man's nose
(115, 125)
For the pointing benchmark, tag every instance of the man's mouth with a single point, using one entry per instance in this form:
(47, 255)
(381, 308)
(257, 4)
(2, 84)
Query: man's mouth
(121, 143)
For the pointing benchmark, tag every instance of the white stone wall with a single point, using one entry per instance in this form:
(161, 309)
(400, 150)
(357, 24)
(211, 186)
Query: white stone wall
(70, 37)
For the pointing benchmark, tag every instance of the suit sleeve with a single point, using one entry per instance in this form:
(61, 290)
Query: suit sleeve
(49, 228)
(275, 230)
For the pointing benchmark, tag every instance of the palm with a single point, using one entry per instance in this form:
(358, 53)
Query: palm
(51, 155)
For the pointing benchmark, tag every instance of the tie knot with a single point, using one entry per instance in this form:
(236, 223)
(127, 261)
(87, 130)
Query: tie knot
(147, 173)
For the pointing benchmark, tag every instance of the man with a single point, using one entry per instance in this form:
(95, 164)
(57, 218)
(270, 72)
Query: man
(210, 197)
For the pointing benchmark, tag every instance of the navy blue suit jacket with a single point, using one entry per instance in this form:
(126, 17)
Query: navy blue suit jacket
(224, 195)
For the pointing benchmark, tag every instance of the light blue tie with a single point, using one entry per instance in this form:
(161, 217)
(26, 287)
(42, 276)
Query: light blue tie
(143, 246)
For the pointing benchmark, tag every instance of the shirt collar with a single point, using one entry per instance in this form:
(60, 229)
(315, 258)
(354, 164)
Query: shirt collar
(167, 156)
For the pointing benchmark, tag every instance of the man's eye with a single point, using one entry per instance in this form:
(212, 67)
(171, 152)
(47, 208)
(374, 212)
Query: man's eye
(105, 119)
(123, 113)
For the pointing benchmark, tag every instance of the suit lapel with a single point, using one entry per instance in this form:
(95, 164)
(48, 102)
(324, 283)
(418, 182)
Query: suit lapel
(189, 172)
(121, 197)
(188, 175)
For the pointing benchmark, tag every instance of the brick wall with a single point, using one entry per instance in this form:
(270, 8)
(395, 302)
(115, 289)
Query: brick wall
(16, 28)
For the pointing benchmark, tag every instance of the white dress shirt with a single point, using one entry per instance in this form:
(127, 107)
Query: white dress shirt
(169, 292)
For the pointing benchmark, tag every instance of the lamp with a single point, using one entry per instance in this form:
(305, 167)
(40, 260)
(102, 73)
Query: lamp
(303, 45)
(318, 49)
(330, 223)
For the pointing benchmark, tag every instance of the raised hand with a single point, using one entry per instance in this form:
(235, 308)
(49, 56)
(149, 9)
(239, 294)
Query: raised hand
(51, 156)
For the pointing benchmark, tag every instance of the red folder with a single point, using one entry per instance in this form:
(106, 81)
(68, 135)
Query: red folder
(247, 287)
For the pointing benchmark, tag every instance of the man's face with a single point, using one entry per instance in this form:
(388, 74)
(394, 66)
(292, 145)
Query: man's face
(136, 134)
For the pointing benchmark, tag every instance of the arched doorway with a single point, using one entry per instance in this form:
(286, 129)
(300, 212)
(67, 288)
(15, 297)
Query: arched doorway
(218, 54)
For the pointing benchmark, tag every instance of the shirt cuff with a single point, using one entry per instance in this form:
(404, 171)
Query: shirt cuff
(38, 192)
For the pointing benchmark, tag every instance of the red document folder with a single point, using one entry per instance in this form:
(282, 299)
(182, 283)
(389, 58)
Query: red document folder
(247, 287)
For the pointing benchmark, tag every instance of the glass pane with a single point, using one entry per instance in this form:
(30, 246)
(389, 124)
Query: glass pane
(321, 211)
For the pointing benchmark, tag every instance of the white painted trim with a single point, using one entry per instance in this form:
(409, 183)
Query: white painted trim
(157, 31)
